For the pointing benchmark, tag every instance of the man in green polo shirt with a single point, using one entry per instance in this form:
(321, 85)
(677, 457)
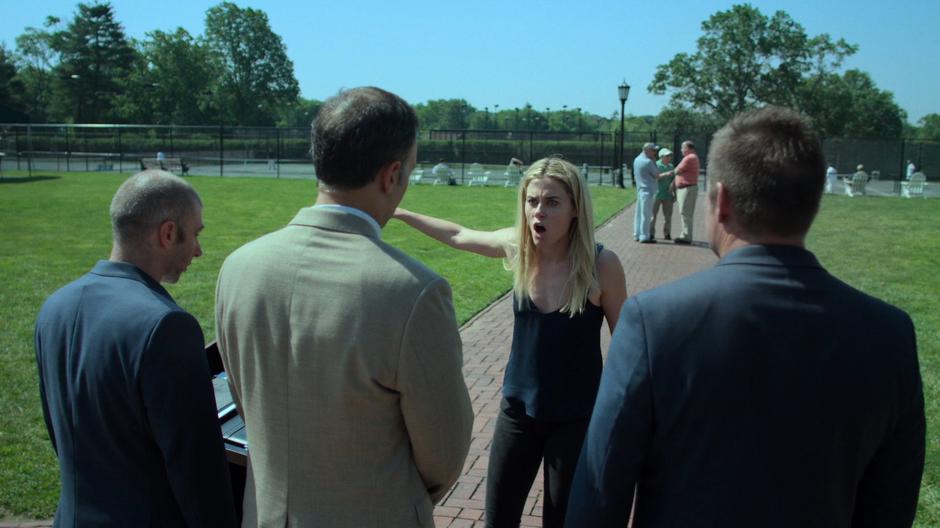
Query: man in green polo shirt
(664, 194)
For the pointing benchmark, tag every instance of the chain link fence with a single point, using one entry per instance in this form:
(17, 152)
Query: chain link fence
(285, 152)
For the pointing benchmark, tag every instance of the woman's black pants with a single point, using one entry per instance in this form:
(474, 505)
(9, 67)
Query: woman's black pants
(520, 443)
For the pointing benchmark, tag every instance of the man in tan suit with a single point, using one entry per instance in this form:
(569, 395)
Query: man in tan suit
(342, 351)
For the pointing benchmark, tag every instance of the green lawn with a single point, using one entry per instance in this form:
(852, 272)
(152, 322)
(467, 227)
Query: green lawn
(890, 248)
(57, 227)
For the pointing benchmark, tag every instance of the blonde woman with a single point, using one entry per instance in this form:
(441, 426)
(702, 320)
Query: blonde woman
(564, 286)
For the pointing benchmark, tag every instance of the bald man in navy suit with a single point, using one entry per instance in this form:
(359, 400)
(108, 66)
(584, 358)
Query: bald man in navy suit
(123, 376)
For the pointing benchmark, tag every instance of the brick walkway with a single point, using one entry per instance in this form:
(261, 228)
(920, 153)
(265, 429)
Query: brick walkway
(487, 337)
(486, 340)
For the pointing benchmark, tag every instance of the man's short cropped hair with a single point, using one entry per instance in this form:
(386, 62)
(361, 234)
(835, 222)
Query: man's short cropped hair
(357, 132)
(771, 164)
(146, 200)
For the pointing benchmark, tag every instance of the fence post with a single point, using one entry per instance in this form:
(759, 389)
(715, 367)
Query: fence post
(221, 152)
(277, 150)
(120, 152)
(68, 151)
(531, 159)
(902, 170)
(463, 154)
(29, 143)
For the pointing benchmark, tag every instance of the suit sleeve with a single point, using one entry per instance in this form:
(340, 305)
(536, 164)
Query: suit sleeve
(887, 493)
(37, 342)
(434, 398)
(620, 432)
(222, 341)
(181, 410)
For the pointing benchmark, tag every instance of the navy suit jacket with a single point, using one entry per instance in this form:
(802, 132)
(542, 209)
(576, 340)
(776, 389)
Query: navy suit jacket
(760, 392)
(129, 405)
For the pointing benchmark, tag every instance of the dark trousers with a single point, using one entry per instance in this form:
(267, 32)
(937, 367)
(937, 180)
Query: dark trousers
(520, 443)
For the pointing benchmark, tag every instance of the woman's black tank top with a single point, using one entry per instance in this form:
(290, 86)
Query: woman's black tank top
(555, 362)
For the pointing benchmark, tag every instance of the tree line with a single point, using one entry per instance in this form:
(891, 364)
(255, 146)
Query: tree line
(88, 71)
(237, 72)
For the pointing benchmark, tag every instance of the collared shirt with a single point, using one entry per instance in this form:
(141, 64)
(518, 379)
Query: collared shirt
(687, 170)
(646, 173)
(663, 192)
(357, 212)
(441, 169)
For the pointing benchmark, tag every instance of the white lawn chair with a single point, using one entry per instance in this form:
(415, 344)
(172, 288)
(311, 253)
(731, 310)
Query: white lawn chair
(856, 184)
(513, 177)
(914, 187)
(477, 176)
(442, 174)
(418, 175)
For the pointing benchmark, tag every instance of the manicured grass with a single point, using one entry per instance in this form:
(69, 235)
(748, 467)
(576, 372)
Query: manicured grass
(57, 227)
(889, 248)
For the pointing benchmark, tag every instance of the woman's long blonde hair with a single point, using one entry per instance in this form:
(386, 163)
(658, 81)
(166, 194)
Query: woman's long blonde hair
(581, 248)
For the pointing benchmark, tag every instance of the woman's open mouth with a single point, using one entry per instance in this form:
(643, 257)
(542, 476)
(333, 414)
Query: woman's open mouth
(538, 228)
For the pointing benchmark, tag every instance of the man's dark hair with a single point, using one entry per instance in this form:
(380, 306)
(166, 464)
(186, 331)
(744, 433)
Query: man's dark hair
(358, 131)
(772, 165)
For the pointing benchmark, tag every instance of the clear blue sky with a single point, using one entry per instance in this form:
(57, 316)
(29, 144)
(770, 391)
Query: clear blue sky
(548, 53)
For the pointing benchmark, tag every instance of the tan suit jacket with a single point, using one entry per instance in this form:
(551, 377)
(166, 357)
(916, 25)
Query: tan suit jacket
(345, 361)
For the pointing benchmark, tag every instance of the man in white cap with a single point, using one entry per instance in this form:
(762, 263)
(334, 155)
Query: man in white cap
(664, 194)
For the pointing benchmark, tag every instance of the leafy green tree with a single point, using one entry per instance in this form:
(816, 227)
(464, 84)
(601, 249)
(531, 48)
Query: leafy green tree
(596, 123)
(171, 83)
(745, 59)
(851, 105)
(135, 102)
(929, 127)
(256, 79)
(37, 59)
(481, 120)
(445, 113)
(875, 114)
(301, 113)
(674, 119)
(95, 56)
(10, 85)
(533, 119)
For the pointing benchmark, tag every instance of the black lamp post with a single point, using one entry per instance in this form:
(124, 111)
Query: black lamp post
(623, 91)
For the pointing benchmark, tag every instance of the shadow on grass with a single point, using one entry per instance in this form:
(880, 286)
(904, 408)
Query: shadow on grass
(26, 179)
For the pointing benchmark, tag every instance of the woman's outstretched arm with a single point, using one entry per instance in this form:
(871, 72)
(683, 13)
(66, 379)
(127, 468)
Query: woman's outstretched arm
(486, 243)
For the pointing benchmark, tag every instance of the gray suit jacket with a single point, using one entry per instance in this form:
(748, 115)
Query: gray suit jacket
(345, 361)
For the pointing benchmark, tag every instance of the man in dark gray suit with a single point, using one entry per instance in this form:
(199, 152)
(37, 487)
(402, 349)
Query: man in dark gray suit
(123, 376)
(763, 391)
